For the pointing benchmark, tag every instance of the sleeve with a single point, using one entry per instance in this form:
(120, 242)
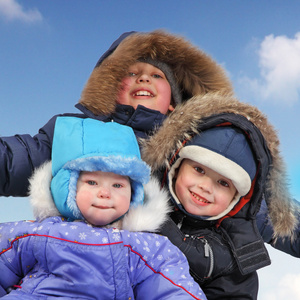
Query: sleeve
(235, 285)
(163, 267)
(16, 254)
(21, 154)
(287, 245)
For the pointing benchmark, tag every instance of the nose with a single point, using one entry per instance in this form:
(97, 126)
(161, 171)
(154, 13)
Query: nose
(144, 77)
(103, 193)
(206, 184)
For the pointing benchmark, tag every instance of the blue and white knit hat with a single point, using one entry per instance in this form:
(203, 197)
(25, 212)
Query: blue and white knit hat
(91, 145)
(226, 150)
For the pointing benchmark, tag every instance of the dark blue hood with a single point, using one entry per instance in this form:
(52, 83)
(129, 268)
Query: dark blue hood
(113, 47)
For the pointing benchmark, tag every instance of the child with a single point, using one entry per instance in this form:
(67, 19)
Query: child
(97, 180)
(188, 70)
(232, 147)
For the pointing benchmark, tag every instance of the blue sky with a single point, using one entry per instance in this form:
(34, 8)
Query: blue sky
(49, 48)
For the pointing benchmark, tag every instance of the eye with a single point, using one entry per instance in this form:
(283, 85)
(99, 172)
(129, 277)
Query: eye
(117, 185)
(223, 183)
(157, 76)
(199, 170)
(131, 74)
(91, 182)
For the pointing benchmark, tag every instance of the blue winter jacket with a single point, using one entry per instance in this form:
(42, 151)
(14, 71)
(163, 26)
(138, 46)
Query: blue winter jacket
(74, 260)
(265, 228)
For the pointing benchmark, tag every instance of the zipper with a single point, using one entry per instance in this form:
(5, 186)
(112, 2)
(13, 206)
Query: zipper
(208, 252)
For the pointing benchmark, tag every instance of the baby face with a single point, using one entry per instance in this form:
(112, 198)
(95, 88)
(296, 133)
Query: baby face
(148, 86)
(201, 190)
(103, 197)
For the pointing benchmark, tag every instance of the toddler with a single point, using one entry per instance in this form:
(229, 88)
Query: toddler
(96, 180)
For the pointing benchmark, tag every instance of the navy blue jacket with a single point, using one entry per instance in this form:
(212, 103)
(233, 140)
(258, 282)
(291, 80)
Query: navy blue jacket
(21, 154)
(224, 254)
(266, 230)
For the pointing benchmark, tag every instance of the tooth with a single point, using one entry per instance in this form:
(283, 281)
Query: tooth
(199, 199)
(143, 93)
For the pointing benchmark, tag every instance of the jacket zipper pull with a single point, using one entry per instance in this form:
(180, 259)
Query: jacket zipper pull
(208, 253)
(206, 248)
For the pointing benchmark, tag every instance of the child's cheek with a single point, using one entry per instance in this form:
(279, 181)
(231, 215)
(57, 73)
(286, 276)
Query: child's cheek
(84, 197)
(125, 85)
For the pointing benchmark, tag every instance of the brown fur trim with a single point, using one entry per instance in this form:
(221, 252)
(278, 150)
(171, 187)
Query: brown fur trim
(183, 122)
(196, 72)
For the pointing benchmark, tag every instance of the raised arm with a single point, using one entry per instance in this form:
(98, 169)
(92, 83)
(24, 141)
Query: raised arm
(287, 245)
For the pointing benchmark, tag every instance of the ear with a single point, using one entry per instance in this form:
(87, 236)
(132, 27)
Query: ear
(176, 174)
(171, 107)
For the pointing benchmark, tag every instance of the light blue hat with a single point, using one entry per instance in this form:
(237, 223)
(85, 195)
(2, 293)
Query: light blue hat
(91, 145)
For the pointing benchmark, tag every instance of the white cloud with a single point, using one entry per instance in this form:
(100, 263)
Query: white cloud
(288, 288)
(11, 10)
(279, 63)
(281, 279)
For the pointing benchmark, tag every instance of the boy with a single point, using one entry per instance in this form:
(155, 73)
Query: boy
(221, 159)
(95, 181)
(188, 70)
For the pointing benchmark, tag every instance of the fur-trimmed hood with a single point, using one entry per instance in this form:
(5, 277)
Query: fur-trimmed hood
(206, 111)
(195, 71)
(148, 216)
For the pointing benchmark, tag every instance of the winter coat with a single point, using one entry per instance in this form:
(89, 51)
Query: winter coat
(265, 227)
(195, 72)
(74, 260)
(225, 254)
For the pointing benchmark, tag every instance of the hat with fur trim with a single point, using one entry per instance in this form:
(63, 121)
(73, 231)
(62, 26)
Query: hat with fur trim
(226, 151)
(91, 145)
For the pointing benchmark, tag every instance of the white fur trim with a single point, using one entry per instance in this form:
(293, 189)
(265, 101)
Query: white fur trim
(148, 216)
(144, 217)
(39, 192)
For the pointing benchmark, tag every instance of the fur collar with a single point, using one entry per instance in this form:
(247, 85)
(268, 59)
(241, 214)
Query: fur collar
(195, 72)
(147, 217)
(184, 122)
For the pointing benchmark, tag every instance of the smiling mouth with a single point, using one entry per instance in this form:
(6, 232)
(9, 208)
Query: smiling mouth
(200, 199)
(143, 93)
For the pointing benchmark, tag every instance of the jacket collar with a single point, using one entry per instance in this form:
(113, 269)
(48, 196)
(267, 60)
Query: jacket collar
(142, 119)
